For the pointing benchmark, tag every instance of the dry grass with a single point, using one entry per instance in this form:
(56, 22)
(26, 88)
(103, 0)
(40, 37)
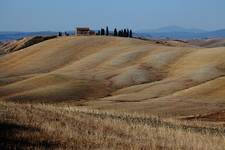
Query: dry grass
(42, 126)
(114, 76)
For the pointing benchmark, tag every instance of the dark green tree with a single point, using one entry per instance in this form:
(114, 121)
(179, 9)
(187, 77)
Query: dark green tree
(128, 33)
(115, 32)
(131, 34)
(107, 31)
(124, 33)
(120, 33)
(102, 31)
(98, 33)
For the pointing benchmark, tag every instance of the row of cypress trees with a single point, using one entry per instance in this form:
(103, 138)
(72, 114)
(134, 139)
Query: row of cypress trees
(123, 33)
(120, 33)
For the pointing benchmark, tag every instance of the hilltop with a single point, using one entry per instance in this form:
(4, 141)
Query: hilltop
(117, 73)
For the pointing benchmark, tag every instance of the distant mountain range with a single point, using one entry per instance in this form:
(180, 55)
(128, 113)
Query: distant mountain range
(173, 29)
(175, 32)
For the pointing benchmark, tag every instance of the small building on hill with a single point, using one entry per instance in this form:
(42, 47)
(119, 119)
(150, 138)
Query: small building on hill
(84, 31)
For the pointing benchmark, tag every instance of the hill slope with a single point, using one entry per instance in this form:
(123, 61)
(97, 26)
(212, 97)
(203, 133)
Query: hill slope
(209, 43)
(12, 46)
(117, 73)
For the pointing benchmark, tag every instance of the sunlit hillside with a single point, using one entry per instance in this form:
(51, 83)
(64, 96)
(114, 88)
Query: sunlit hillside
(120, 73)
(109, 92)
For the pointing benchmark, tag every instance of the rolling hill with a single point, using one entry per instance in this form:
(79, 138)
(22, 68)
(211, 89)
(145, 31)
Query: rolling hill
(15, 45)
(117, 73)
(209, 43)
(15, 35)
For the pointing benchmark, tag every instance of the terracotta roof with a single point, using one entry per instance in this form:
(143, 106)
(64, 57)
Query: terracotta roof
(85, 29)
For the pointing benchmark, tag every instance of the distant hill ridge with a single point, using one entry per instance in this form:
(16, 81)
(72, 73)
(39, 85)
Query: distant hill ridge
(15, 45)
(11, 35)
(174, 29)
(175, 32)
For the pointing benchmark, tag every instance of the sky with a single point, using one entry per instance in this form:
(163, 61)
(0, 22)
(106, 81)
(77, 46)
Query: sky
(61, 15)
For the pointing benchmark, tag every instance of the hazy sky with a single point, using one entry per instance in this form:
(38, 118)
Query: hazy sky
(39, 15)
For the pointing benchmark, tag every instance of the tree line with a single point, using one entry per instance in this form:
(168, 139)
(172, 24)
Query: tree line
(121, 33)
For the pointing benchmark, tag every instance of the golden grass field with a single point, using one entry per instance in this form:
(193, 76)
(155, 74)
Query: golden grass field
(112, 93)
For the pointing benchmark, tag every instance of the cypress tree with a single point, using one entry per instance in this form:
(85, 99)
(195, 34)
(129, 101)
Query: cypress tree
(128, 33)
(124, 33)
(102, 31)
(115, 32)
(107, 31)
(131, 34)
(99, 32)
(121, 33)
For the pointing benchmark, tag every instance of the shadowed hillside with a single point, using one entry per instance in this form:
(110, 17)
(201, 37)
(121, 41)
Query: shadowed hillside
(210, 43)
(12, 46)
(117, 73)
